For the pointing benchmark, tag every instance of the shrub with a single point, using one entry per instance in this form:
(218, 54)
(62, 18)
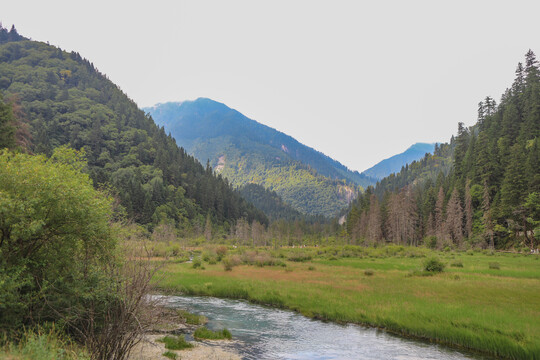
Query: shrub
(197, 263)
(457, 263)
(221, 251)
(299, 256)
(494, 265)
(431, 242)
(369, 272)
(311, 268)
(205, 333)
(175, 342)
(231, 261)
(433, 265)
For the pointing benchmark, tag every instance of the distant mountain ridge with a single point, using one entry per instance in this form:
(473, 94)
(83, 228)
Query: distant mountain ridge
(173, 115)
(246, 151)
(394, 163)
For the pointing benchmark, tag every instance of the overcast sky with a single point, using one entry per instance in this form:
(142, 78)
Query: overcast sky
(358, 80)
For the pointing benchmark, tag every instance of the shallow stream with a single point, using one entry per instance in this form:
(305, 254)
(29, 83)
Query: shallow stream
(266, 333)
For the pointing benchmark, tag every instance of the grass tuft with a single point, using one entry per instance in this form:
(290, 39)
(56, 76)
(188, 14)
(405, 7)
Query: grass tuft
(175, 342)
(205, 333)
(170, 355)
(192, 319)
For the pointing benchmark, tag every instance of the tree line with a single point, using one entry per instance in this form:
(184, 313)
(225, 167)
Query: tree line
(62, 99)
(480, 189)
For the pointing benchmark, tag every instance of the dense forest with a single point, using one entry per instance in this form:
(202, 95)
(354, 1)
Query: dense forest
(482, 189)
(59, 98)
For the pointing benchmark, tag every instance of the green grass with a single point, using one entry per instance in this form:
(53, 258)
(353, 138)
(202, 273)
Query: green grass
(192, 319)
(205, 333)
(41, 345)
(472, 307)
(175, 342)
(170, 355)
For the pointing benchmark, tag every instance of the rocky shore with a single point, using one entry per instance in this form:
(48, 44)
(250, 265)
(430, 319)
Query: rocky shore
(171, 324)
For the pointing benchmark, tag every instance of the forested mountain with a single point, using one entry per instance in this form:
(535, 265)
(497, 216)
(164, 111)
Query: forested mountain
(269, 202)
(65, 100)
(245, 151)
(481, 189)
(394, 163)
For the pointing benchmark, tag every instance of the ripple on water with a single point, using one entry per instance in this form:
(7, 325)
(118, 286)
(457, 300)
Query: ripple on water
(267, 333)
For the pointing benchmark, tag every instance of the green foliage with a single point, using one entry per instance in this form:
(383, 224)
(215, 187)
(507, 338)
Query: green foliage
(170, 355)
(68, 101)
(269, 202)
(494, 265)
(457, 263)
(54, 236)
(495, 315)
(479, 190)
(192, 319)
(433, 265)
(42, 345)
(246, 152)
(175, 342)
(196, 263)
(7, 128)
(205, 333)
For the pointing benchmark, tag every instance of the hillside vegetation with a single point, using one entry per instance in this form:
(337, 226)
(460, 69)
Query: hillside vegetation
(245, 151)
(66, 100)
(480, 190)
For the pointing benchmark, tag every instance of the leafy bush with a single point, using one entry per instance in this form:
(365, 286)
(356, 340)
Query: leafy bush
(457, 263)
(433, 265)
(231, 261)
(299, 256)
(221, 251)
(494, 265)
(369, 272)
(205, 333)
(197, 263)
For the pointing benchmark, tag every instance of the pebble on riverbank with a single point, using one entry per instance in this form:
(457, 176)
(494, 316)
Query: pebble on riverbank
(151, 349)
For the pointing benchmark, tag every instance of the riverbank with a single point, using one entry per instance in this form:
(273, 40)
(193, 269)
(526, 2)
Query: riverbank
(482, 302)
(151, 349)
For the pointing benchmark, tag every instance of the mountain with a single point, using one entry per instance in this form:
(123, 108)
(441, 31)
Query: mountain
(65, 100)
(481, 189)
(245, 151)
(395, 163)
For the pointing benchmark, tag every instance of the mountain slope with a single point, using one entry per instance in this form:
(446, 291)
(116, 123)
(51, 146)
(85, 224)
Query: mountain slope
(245, 151)
(395, 163)
(482, 189)
(67, 101)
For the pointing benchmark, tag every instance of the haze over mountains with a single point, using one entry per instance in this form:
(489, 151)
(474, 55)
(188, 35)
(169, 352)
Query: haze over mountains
(247, 152)
(394, 163)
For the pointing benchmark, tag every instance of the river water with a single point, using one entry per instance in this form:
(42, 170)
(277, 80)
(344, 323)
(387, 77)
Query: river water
(266, 333)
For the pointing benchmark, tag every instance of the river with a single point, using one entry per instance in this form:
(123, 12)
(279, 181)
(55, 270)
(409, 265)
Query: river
(267, 333)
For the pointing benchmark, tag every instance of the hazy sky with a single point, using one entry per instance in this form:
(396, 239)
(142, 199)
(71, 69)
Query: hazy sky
(358, 80)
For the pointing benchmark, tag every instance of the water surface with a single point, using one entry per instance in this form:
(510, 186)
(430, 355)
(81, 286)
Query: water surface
(267, 333)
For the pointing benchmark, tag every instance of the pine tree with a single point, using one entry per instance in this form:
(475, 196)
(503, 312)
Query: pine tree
(487, 219)
(454, 217)
(439, 216)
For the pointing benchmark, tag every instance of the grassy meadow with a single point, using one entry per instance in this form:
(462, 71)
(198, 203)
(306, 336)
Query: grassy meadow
(482, 301)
